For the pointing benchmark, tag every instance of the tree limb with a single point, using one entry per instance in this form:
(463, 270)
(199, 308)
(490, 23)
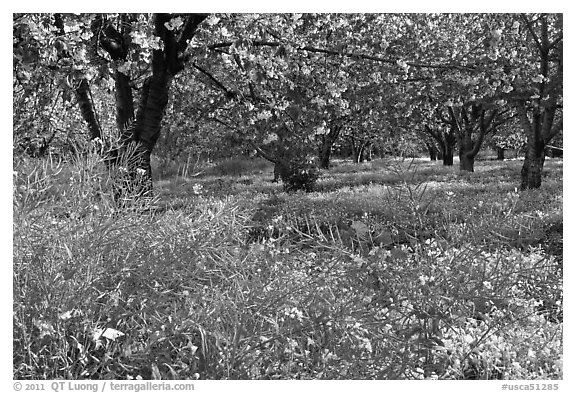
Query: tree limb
(229, 94)
(358, 55)
(192, 23)
(532, 33)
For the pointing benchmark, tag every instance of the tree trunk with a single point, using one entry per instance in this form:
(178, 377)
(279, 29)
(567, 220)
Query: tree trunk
(500, 153)
(467, 162)
(146, 128)
(324, 156)
(356, 150)
(82, 91)
(326, 144)
(87, 109)
(466, 153)
(531, 174)
(539, 132)
(471, 119)
(124, 105)
(281, 170)
(432, 151)
(448, 155)
(361, 154)
(367, 151)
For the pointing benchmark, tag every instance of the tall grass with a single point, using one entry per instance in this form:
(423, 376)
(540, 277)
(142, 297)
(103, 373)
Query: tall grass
(399, 281)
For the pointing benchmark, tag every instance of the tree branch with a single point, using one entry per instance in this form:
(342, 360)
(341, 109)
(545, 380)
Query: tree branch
(192, 23)
(229, 94)
(358, 55)
(532, 33)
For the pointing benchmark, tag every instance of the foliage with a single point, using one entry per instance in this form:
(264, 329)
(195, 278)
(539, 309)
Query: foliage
(301, 174)
(409, 278)
(382, 269)
(239, 166)
(276, 82)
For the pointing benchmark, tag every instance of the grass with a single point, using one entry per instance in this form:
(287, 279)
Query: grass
(390, 270)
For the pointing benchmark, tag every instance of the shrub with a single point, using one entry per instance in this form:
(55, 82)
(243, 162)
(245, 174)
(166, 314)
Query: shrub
(300, 174)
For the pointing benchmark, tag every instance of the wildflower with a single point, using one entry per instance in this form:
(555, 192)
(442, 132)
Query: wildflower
(197, 188)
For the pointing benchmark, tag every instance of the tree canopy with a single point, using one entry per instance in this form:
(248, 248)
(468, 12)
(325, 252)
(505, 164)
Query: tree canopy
(277, 84)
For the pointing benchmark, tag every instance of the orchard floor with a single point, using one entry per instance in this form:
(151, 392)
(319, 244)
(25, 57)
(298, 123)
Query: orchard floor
(389, 270)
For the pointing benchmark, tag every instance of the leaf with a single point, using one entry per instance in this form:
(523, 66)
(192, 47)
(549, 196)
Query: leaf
(398, 254)
(68, 252)
(109, 333)
(174, 23)
(155, 372)
(112, 334)
(360, 228)
(212, 20)
(384, 238)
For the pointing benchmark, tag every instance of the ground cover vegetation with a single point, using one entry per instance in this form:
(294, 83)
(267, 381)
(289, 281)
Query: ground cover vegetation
(404, 276)
(224, 196)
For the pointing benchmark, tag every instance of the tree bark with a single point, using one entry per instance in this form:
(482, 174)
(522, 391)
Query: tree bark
(124, 106)
(146, 128)
(500, 153)
(432, 151)
(367, 151)
(531, 173)
(356, 150)
(467, 162)
(326, 144)
(538, 132)
(324, 155)
(87, 109)
(466, 152)
(360, 158)
(448, 156)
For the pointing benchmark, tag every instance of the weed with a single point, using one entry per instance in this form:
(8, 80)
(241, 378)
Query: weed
(424, 276)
